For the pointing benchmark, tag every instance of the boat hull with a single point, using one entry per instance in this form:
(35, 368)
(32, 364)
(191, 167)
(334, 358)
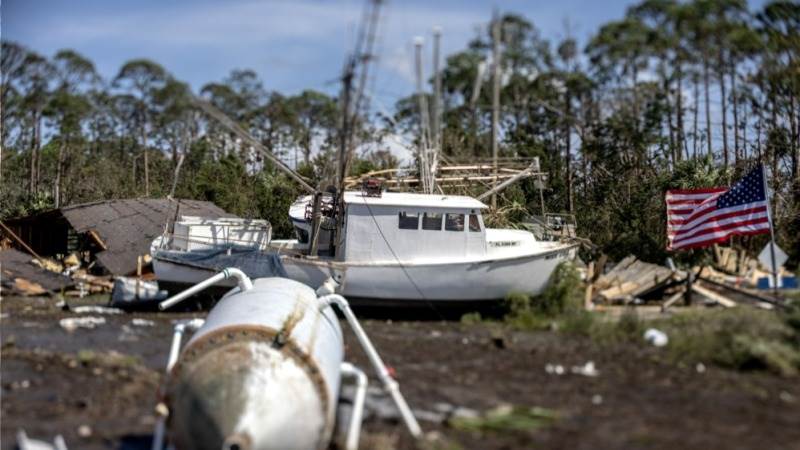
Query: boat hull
(393, 282)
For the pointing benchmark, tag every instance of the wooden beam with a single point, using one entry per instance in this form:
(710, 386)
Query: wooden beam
(97, 239)
(722, 300)
(18, 240)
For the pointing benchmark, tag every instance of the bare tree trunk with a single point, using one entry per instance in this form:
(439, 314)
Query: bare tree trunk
(57, 185)
(735, 104)
(670, 126)
(634, 78)
(723, 100)
(696, 114)
(708, 107)
(32, 177)
(38, 146)
(774, 153)
(682, 147)
(793, 134)
(745, 119)
(568, 152)
(143, 137)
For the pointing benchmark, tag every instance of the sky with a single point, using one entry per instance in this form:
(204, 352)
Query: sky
(292, 45)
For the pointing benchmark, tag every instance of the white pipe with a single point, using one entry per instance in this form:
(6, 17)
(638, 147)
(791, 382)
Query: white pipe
(389, 383)
(174, 351)
(180, 328)
(354, 429)
(231, 272)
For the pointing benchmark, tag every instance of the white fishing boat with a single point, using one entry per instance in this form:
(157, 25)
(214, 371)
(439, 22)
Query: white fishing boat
(390, 247)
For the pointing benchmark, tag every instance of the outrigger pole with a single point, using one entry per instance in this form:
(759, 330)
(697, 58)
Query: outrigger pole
(234, 128)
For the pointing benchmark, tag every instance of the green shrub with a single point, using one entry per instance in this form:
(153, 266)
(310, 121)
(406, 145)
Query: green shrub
(738, 338)
(561, 304)
(563, 294)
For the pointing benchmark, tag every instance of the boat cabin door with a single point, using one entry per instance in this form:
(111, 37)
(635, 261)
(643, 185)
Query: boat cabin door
(476, 240)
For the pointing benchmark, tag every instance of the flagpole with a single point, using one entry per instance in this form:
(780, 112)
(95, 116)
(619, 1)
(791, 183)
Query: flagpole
(771, 232)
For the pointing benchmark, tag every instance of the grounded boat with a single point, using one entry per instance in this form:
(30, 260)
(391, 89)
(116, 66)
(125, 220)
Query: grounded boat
(390, 247)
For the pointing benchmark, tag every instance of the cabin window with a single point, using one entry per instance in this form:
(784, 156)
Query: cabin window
(408, 221)
(474, 223)
(431, 221)
(454, 222)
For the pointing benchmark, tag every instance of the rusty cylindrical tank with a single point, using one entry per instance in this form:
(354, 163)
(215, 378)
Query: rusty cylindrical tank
(263, 372)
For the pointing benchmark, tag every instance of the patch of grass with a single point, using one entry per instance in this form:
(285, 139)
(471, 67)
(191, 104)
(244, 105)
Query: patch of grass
(86, 356)
(738, 338)
(472, 318)
(506, 418)
(628, 328)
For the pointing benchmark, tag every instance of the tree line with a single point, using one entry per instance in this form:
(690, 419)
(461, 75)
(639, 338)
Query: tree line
(673, 94)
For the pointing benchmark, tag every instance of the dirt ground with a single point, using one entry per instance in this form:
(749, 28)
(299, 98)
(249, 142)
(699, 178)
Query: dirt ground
(98, 387)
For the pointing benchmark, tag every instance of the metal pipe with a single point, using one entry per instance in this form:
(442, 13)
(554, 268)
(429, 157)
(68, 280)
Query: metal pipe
(174, 351)
(231, 272)
(389, 383)
(177, 336)
(354, 429)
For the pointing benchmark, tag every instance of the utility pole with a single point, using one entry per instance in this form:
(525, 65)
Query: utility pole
(437, 99)
(495, 95)
(425, 137)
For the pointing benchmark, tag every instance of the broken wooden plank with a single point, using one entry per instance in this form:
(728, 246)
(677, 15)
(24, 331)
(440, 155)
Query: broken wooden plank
(713, 296)
(618, 291)
(26, 287)
(673, 299)
(97, 239)
(587, 299)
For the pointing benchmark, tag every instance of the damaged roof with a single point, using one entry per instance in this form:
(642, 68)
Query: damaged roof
(128, 227)
(15, 264)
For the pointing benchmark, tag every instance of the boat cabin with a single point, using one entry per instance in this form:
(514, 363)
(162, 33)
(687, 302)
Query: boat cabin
(408, 227)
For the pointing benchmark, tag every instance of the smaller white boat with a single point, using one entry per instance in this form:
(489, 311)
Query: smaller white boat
(393, 247)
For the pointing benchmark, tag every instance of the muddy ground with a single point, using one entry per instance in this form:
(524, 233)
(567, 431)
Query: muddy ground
(98, 387)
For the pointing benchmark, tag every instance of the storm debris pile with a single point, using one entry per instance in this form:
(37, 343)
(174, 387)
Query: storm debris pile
(635, 282)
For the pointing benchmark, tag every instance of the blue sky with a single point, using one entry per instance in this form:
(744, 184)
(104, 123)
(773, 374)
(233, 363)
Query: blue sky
(292, 45)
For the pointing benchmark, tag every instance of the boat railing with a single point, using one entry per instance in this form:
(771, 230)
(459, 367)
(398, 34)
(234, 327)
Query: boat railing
(552, 226)
(280, 249)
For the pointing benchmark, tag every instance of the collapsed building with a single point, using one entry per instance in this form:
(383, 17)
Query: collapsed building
(109, 236)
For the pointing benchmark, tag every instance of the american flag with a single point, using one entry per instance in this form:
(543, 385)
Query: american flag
(701, 217)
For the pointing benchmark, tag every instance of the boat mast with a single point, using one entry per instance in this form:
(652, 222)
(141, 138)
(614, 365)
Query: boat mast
(425, 141)
(356, 68)
(495, 96)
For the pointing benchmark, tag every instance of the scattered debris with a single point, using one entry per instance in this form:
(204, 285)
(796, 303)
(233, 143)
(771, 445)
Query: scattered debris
(633, 282)
(656, 337)
(84, 431)
(142, 322)
(505, 417)
(597, 399)
(129, 290)
(587, 370)
(555, 369)
(24, 277)
(89, 309)
(632, 278)
(700, 368)
(25, 443)
(73, 323)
